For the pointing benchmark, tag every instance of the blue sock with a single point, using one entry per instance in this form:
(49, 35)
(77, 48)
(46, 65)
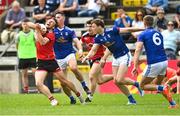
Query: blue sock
(71, 98)
(136, 84)
(83, 83)
(160, 88)
(172, 103)
(131, 99)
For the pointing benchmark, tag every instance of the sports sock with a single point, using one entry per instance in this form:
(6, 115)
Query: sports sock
(136, 84)
(71, 98)
(131, 99)
(78, 94)
(83, 83)
(172, 103)
(51, 98)
(160, 88)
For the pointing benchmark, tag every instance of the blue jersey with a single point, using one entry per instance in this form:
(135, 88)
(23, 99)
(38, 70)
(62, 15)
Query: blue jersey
(153, 43)
(113, 41)
(63, 44)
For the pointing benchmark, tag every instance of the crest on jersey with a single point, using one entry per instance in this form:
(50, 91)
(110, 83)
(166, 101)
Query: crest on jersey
(108, 44)
(61, 40)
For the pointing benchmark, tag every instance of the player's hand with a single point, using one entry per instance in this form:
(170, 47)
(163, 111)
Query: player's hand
(102, 63)
(134, 72)
(80, 53)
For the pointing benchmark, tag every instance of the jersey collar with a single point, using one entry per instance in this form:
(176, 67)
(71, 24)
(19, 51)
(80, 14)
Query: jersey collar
(60, 29)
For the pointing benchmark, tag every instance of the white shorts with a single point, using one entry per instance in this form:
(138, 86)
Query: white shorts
(154, 70)
(63, 63)
(125, 60)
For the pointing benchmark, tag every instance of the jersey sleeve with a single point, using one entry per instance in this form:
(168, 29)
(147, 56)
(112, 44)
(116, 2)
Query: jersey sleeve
(98, 41)
(140, 38)
(73, 35)
(116, 29)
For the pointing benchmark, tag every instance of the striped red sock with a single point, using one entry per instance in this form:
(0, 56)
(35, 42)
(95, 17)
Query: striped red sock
(51, 98)
(78, 94)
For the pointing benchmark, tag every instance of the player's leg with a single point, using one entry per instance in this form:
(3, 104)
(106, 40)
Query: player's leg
(67, 91)
(73, 66)
(123, 88)
(172, 80)
(123, 63)
(93, 75)
(63, 65)
(64, 82)
(103, 78)
(23, 66)
(25, 82)
(40, 77)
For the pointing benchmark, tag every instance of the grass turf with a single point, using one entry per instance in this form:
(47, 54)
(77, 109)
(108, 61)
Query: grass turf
(103, 104)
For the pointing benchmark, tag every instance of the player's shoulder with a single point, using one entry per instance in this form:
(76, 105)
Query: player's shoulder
(49, 34)
(68, 29)
(85, 34)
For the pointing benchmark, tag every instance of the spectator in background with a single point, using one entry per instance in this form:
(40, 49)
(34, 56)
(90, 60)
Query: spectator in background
(53, 4)
(153, 5)
(41, 11)
(13, 21)
(92, 8)
(138, 21)
(177, 17)
(69, 7)
(82, 2)
(33, 2)
(171, 40)
(25, 43)
(123, 21)
(160, 22)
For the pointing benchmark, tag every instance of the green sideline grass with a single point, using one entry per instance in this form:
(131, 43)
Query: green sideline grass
(103, 104)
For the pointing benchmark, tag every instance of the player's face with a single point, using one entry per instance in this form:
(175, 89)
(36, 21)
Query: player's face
(50, 23)
(60, 19)
(89, 29)
(25, 26)
(95, 28)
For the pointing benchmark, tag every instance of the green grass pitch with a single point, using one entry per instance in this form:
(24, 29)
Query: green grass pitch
(103, 104)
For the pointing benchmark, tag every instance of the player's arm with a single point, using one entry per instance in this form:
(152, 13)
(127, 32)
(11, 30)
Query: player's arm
(42, 40)
(104, 58)
(91, 53)
(31, 25)
(139, 46)
(130, 29)
(79, 46)
(106, 54)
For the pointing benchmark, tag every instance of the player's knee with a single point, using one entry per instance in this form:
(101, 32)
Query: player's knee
(118, 81)
(39, 84)
(74, 69)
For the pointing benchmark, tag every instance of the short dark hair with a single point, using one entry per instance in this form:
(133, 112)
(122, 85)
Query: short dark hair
(59, 12)
(98, 22)
(26, 20)
(149, 20)
(89, 21)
